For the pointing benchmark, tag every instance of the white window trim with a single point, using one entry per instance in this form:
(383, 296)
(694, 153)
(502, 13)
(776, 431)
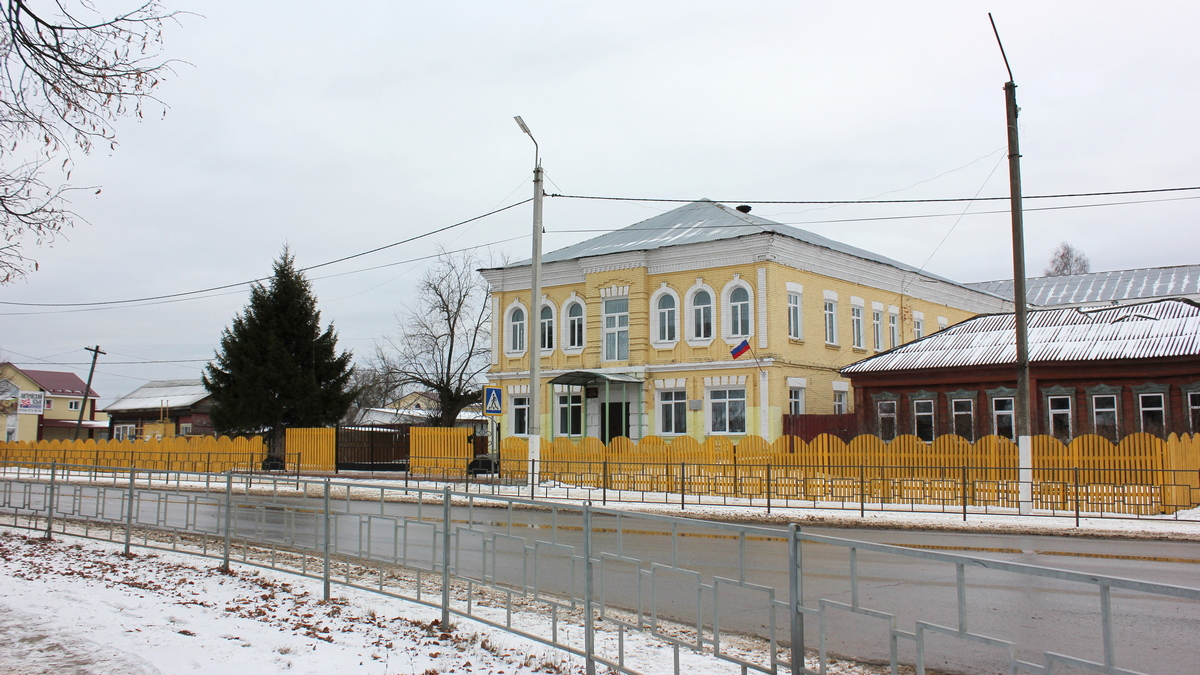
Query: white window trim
(895, 337)
(727, 310)
(708, 417)
(662, 290)
(797, 290)
(858, 325)
(690, 318)
(554, 335)
(797, 384)
(566, 314)
(604, 330)
(830, 329)
(659, 407)
(509, 351)
(918, 325)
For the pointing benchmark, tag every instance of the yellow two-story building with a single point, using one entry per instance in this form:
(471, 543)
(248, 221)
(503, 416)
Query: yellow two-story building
(637, 329)
(38, 405)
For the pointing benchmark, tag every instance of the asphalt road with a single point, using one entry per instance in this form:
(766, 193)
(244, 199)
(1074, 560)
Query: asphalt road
(536, 549)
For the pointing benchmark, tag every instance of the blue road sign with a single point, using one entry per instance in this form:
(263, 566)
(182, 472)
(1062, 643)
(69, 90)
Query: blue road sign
(493, 401)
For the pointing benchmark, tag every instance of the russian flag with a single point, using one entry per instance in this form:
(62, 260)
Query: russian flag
(741, 348)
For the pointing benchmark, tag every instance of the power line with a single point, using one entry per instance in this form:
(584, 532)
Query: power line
(253, 281)
(105, 308)
(913, 216)
(877, 201)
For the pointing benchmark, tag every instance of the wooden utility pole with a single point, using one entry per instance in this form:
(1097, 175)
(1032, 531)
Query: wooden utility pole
(1023, 403)
(87, 388)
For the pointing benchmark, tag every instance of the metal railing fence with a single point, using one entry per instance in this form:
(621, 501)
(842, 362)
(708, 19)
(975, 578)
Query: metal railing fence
(757, 599)
(1055, 491)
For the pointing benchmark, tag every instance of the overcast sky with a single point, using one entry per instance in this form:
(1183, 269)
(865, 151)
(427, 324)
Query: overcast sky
(338, 128)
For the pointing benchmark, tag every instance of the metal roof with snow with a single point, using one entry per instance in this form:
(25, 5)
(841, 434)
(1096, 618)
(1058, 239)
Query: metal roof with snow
(705, 221)
(155, 395)
(1159, 329)
(1097, 287)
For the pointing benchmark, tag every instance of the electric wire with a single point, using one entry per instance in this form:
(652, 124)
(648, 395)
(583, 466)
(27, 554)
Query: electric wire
(943, 200)
(253, 281)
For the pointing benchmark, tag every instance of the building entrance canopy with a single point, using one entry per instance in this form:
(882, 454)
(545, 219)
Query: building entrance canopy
(585, 378)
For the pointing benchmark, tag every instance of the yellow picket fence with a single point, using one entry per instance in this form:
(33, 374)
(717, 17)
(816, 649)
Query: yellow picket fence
(183, 453)
(439, 452)
(316, 448)
(1142, 474)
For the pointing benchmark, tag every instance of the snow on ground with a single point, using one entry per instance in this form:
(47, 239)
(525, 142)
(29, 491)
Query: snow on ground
(79, 607)
(76, 606)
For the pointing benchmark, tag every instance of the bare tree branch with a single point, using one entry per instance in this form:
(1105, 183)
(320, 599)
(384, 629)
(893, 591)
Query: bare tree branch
(66, 74)
(1066, 260)
(444, 340)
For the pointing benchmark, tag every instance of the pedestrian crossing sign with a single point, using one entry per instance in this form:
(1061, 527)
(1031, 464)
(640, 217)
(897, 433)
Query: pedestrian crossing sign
(493, 401)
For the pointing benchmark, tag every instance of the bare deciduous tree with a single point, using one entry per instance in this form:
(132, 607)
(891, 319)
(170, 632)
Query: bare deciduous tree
(66, 73)
(444, 341)
(1067, 259)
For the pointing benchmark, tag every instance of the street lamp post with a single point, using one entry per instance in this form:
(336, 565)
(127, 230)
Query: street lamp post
(534, 335)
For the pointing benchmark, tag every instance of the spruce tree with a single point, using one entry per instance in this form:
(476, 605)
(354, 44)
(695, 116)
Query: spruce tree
(275, 367)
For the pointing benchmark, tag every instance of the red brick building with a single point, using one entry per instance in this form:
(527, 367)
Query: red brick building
(1110, 371)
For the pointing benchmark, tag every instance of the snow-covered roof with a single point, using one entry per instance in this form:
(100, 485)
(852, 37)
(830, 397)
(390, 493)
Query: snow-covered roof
(410, 416)
(1097, 287)
(1159, 329)
(154, 395)
(704, 221)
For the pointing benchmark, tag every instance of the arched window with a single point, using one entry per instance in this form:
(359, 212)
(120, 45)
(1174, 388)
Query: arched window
(516, 323)
(739, 312)
(575, 326)
(666, 318)
(547, 329)
(702, 312)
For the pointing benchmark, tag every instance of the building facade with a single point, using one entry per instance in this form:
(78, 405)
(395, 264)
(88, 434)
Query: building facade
(1111, 371)
(162, 409)
(55, 413)
(635, 328)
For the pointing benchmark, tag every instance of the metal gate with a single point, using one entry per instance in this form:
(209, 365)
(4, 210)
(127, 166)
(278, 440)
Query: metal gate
(377, 448)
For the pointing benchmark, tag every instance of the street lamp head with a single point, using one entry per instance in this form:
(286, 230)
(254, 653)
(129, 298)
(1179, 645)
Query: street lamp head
(521, 123)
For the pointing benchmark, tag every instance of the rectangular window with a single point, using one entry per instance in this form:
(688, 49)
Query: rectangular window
(831, 322)
(923, 420)
(185, 430)
(1194, 410)
(1002, 418)
(1104, 416)
(672, 412)
(570, 414)
(1060, 417)
(727, 411)
(877, 329)
(893, 330)
(616, 330)
(1154, 415)
(48, 404)
(125, 432)
(73, 405)
(520, 416)
(796, 400)
(887, 419)
(795, 328)
(856, 326)
(839, 403)
(964, 418)
(918, 329)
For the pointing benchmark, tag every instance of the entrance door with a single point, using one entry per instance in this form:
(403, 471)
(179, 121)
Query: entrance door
(614, 420)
